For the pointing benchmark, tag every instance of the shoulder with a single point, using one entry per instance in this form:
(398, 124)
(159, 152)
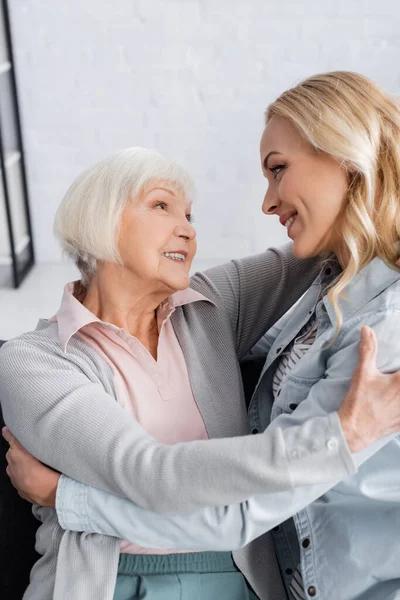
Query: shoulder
(41, 349)
(202, 283)
(384, 319)
(389, 299)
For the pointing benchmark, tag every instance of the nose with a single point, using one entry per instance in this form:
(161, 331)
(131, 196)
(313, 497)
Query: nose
(271, 202)
(185, 230)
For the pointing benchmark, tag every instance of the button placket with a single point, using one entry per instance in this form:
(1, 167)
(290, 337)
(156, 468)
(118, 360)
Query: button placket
(307, 563)
(285, 556)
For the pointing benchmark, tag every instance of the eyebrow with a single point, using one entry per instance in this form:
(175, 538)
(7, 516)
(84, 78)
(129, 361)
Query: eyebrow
(190, 203)
(265, 163)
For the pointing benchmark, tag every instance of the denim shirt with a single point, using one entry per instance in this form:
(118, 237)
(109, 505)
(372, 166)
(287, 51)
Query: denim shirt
(348, 540)
(348, 531)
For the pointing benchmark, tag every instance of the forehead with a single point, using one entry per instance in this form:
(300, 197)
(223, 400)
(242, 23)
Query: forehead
(163, 185)
(171, 189)
(281, 136)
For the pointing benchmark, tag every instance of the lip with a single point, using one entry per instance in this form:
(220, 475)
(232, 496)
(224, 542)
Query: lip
(283, 218)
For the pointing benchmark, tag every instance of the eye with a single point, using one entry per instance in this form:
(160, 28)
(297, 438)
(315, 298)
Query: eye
(276, 170)
(162, 205)
(190, 218)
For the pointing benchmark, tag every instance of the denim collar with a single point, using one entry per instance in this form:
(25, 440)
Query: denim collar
(368, 283)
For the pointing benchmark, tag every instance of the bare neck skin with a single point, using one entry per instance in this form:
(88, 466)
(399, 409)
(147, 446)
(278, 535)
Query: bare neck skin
(116, 296)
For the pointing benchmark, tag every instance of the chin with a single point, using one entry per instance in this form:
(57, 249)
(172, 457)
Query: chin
(178, 284)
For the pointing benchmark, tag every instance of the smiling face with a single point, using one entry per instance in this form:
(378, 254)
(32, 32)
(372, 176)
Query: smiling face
(306, 189)
(157, 241)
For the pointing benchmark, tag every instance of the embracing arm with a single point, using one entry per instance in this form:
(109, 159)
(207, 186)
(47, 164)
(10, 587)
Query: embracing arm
(258, 290)
(84, 508)
(229, 527)
(70, 423)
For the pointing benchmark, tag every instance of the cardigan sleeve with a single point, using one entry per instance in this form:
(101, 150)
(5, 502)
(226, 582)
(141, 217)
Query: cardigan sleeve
(70, 423)
(231, 527)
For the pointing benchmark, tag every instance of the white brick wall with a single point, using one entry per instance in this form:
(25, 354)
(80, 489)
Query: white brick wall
(188, 77)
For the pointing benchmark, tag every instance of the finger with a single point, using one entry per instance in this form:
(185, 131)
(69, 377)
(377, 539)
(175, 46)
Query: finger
(13, 455)
(368, 349)
(6, 433)
(8, 436)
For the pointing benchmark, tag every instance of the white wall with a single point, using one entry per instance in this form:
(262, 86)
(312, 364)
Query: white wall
(188, 77)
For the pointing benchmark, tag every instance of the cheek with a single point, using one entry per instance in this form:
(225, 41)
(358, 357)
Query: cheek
(193, 246)
(294, 187)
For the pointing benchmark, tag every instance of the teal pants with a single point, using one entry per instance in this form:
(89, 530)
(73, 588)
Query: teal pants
(192, 576)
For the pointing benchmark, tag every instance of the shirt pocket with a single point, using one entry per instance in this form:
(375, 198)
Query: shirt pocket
(294, 391)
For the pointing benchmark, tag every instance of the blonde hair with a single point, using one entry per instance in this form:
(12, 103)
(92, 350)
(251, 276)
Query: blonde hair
(88, 218)
(347, 116)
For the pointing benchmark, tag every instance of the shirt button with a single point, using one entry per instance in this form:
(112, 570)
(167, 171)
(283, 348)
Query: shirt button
(312, 591)
(331, 444)
(306, 542)
(328, 271)
(289, 571)
(254, 430)
(293, 406)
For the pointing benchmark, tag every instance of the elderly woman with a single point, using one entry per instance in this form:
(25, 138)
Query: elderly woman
(123, 387)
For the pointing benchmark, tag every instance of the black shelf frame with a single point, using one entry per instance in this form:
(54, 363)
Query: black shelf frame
(20, 265)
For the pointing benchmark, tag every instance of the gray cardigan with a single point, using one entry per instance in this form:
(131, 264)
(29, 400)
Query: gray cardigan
(62, 408)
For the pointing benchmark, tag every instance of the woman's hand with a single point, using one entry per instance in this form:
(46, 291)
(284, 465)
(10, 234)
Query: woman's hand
(33, 480)
(371, 408)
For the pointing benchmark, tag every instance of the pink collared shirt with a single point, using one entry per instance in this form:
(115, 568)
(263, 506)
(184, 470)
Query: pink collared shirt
(157, 393)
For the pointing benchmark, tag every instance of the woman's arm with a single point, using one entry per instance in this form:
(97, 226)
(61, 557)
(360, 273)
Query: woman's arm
(71, 424)
(256, 291)
(82, 508)
(230, 527)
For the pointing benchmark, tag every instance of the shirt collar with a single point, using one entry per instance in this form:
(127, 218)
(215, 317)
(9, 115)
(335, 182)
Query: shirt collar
(179, 298)
(73, 315)
(366, 285)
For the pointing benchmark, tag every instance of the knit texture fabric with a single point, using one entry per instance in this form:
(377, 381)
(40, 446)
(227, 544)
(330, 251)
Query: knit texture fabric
(62, 408)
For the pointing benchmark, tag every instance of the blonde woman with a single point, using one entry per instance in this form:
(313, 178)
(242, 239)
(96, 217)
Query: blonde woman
(330, 153)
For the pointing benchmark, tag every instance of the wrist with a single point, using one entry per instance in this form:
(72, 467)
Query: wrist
(50, 498)
(351, 431)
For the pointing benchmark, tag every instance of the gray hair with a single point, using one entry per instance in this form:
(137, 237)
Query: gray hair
(88, 218)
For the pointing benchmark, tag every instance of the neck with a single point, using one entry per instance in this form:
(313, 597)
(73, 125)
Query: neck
(116, 296)
(343, 256)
